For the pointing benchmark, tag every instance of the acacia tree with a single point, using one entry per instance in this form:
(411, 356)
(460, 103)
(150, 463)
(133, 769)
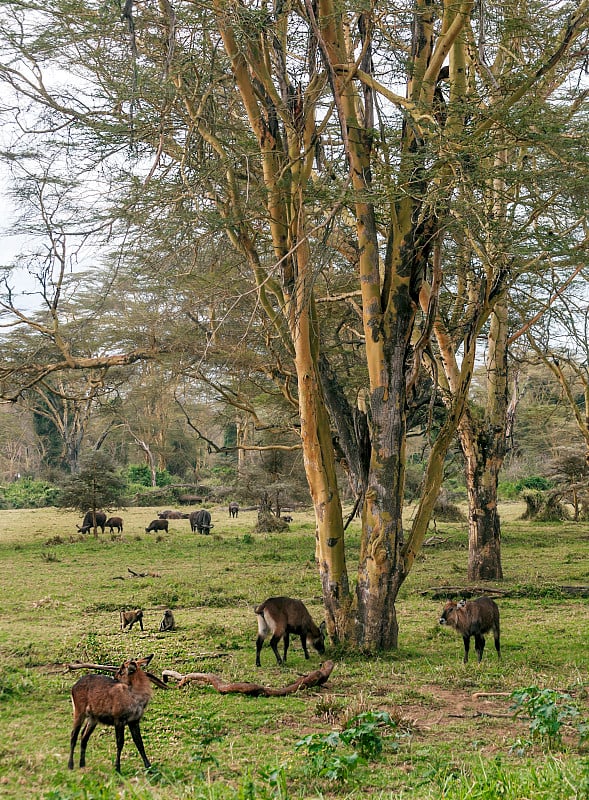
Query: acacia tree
(531, 231)
(317, 157)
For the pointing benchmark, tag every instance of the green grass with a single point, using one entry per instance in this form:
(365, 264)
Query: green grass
(61, 595)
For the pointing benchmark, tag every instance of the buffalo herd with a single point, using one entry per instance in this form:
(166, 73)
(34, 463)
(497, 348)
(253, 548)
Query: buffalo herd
(200, 521)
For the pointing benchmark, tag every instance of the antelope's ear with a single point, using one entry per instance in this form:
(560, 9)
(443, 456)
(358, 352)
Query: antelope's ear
(461, 603)
(323, 628)
(143, 662)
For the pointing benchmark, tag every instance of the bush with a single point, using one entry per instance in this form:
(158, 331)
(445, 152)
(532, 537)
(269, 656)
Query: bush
(512, 490)
(533, 482)
(141, 474)
(28, 493)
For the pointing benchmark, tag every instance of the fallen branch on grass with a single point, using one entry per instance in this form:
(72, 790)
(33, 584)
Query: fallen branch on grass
(144, 574)
(464, 591)
(316, 678)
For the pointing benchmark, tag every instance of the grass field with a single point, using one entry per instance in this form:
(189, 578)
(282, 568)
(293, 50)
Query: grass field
(61, 595)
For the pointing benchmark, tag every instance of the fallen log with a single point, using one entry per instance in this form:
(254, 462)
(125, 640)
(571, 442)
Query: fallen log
(111, 668)
(316, 678)
(438, 592)
(144, 574)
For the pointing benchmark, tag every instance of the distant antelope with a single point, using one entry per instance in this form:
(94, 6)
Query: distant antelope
(473, 618)
(117, 701)
(281, 616)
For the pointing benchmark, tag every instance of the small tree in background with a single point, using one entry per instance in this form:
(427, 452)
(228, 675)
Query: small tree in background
(96, 485)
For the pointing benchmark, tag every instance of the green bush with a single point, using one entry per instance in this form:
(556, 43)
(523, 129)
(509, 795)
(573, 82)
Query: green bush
(141, 474)
(533, 482)
(548, 711)
(512, 490)
(28, 493)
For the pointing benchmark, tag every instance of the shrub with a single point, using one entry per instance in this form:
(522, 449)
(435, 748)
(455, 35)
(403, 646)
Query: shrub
(29, 493)
(532, 482)
(548, 711)
(141, 475)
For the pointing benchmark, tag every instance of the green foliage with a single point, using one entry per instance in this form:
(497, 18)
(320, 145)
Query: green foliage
(533, 482)
(548, 711)
(491, 779)
(324, 759)
(512, 490)
(140, 474)
(205, 731)
(28, 493)
(363, 734)
(96, 485)
(15, 685)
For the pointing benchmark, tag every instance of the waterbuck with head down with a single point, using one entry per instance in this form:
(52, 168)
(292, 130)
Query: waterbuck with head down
(117, 701)
(473, 618)
(281, 616)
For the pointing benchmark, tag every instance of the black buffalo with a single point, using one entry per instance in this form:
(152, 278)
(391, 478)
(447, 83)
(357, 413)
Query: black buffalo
(88, 522)
(157, 525)
(201, 521)
(172, 515)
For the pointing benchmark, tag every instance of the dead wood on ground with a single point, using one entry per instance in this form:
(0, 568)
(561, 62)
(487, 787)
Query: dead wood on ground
(316, 678)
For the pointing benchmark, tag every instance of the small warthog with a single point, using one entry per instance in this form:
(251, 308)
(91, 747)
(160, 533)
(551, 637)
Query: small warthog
(281, 616)
(473, 618)
(233, 509)
(157, 525)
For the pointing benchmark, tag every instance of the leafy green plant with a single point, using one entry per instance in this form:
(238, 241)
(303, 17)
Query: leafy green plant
(323, 760)
(364, 732)
(547, 709)
(206, 732)
(275, 777)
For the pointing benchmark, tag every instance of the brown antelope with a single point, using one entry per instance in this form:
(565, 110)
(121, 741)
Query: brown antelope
(281, 616)
(117, 701)
(473, 618)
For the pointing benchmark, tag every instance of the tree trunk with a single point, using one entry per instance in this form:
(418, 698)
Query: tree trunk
(483, 445)
(484, 527)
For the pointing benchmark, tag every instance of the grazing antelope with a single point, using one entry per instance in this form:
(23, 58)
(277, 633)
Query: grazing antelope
(281, 616)
(117, 701)
(473, 618)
